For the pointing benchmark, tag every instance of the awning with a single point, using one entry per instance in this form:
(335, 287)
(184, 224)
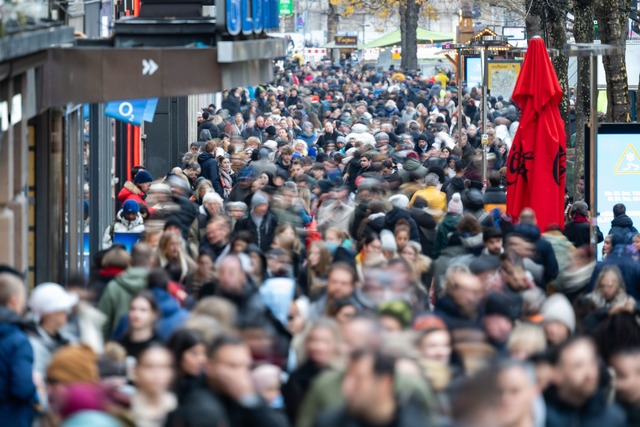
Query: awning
(424, 36)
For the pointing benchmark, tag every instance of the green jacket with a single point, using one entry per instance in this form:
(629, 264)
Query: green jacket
(118, 294)
(445, 228)
(326, 393)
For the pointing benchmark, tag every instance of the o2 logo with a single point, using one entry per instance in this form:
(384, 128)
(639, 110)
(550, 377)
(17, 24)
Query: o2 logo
(248, 16)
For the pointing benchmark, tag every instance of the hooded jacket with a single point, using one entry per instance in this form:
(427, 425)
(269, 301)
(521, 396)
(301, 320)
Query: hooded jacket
(209, 170)
(623, 225)
(265, 234)
(17, 391)
(118, 294)
(446, 227)
(130, 191)
(412, 165)
(121, 225)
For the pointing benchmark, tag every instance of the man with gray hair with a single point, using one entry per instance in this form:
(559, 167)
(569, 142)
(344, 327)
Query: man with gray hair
(436, 199)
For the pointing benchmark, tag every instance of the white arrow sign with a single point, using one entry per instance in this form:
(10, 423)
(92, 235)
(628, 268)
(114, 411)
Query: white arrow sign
(149, 67)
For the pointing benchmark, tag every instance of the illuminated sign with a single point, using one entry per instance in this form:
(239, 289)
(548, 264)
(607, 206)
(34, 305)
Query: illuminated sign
(346, 40)
(248, 16)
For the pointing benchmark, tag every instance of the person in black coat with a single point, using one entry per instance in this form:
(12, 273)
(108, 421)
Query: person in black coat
(621, 223)
(544, 251)
(577, 396)
(209, 167)
(261, 222)
(578, 230)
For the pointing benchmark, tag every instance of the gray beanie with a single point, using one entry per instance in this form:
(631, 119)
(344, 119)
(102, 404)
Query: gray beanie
(259, 198)
(557, 308)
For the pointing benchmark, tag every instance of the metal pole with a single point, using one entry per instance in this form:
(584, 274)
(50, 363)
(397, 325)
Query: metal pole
(593, 135)
(459, 98)
(485, 137)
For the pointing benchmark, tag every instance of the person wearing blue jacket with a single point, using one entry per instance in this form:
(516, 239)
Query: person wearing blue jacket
(17, 390)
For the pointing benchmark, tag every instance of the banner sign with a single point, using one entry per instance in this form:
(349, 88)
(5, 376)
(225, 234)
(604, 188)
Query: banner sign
(134, 112)
(285, 7)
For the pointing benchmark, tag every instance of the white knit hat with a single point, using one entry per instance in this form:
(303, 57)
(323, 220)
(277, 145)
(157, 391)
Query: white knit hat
(455, 205)
(388, 241)
(557, 308)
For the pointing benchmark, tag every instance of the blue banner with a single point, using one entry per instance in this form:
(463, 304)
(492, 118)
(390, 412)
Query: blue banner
(134, 112)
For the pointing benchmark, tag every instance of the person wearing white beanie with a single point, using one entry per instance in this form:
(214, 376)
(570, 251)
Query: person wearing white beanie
(50, 305)
(559, 319)
(455, 205)
(388, 244)
(399, 201)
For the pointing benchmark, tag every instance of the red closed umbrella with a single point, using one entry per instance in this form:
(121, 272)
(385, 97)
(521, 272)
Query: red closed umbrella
(537, 162)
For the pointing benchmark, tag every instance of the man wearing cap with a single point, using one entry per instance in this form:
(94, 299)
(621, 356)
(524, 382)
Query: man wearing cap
(128, 220)
(498, 321)
(261, 222)
(51, 305)
(17, 390)
(136, 190)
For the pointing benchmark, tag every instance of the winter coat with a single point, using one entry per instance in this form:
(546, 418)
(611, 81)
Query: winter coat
(118, 294)
(296, 388)
(595, 412)
(185, 215)
(445, 228)
(392, 218)
(172, 316)
(198, 407)
(545, 256)
(436, 201)
(44, 345)
(629, 269)
(448, 311)
(198, 229)
(325, 394)
(264, 236)
(623, 225)
(412, 165)
(121, 225)
(17, 391)
(130, 191)
(579, 233)
(209, 170)
(408, 414)
(562, 247)
(426, 229)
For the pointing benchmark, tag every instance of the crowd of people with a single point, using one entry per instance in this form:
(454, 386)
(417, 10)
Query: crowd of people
(328, 254)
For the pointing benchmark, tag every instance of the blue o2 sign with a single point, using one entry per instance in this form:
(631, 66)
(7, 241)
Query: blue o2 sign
(247, 16)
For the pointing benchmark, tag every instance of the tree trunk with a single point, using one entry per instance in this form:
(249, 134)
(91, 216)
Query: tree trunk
(556, 14)
(613, 17)
(533, 23)
(333, 20)
(583, 33)
(409, 14)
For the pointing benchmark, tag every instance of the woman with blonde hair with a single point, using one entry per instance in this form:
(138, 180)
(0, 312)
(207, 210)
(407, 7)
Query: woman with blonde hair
(609, 290)
(421, 264)
(201, 189)
(525, 340)
(172, 258)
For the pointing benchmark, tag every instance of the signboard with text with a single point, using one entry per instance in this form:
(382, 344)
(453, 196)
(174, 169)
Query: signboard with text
(617, 172)
(346, 40)
(285, 7)
(502, 77)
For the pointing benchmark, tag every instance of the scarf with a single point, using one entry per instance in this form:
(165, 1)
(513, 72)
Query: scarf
(580, 219)
(227, 182)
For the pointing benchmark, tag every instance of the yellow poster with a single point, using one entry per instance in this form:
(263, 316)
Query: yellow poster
(502, 77)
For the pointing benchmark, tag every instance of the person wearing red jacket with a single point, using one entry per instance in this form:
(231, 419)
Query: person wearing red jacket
(136, 190)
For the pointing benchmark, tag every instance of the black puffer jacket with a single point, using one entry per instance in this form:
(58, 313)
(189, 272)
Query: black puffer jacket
(622, 225)
(209, 170)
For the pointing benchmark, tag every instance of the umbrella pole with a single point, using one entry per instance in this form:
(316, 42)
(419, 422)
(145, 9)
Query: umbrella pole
(485, 137)
(459, 98)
